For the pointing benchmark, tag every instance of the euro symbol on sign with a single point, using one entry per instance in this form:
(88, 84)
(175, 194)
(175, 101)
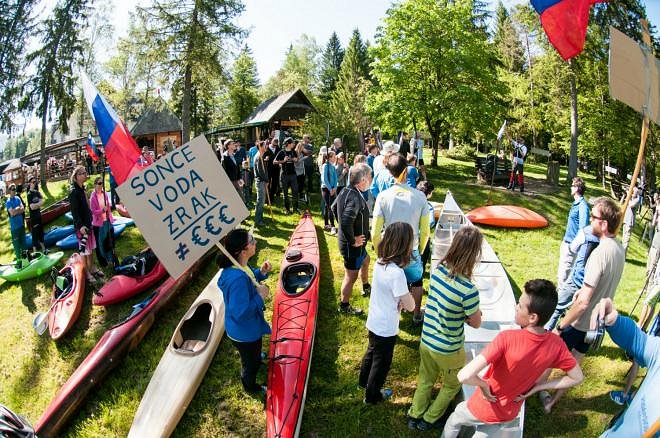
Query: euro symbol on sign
(224, 218)
(196, 239)
(210, 228)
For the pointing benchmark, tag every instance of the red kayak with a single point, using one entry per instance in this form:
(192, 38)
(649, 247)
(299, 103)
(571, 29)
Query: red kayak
(507, 216)
(121, 209)
(52, 212)
(113, 346)
(122, 287)
(294, 325)
(68, 294)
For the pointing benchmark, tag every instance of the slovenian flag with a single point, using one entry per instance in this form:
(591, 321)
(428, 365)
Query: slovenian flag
(121, 151)
(91, 147)
(565, 22)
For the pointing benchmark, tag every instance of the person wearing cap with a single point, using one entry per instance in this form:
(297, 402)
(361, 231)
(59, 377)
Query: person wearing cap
(382, 177)
(402, 203)
(35, 201)
(16, 210)
(232, 167)
(287, 158)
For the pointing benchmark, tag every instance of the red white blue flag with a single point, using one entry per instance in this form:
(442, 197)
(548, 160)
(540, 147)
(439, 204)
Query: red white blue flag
(565, 23)
(121, 151)
(91, 147)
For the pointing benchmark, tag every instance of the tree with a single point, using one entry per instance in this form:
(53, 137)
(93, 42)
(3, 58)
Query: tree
(299, 70)
(244, 86)
(53, 80)
(330, 64)
(507, 41)
(192, 36)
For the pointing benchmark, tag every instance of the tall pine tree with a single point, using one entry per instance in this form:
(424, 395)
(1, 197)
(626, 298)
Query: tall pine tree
(330, 65)
(244, 86)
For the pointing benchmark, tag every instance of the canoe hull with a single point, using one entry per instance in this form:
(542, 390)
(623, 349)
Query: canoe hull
(294, 324)
(122, 287)
(64, 311)
(36, 267)
(52, 212)
(180, 371)
(71, 242)
(507, 216)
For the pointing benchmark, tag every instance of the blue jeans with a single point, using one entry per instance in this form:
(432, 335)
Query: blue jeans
(261, 197)
(565, 298)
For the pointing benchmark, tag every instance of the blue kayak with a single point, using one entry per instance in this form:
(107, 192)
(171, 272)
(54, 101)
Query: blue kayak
(117, 219)
(71, 242)
(52, 235)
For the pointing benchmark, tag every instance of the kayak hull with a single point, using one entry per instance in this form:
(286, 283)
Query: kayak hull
(121, 209)
(122, 287)
(507, 216)
(183, 365)
(71, 242)
(65, 310)
(294, 325)
(52, 235)
(38, 266)
(52, 212)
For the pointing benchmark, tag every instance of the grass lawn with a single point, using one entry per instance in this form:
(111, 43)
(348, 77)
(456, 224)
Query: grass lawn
(32, 368)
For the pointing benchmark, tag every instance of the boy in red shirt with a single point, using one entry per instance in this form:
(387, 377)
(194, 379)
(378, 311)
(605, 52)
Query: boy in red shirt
(517, 360)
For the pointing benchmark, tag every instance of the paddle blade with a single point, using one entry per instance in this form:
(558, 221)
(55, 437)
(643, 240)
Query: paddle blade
(40, 323)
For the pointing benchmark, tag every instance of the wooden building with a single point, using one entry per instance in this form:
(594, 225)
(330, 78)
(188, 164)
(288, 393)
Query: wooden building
(159, 130)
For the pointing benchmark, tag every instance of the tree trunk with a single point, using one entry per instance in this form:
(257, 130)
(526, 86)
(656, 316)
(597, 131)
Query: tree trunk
(572, 161)
(185, 104)
(42, 155)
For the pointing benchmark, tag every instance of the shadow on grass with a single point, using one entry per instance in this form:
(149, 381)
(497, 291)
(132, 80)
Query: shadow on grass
(29, 293)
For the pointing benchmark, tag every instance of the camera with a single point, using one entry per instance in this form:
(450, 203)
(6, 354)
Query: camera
(83, 243)
(595, 337)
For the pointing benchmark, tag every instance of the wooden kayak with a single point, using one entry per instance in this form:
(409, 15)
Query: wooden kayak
(71, 241)
(122, 287)
(116, 219)
(39, 265)
(121, 209)
(66, 303)
(52, 212)
(52, 235)
(113, 346)
(496, 300)
(507, 216)
(294, 325)
(183, 365)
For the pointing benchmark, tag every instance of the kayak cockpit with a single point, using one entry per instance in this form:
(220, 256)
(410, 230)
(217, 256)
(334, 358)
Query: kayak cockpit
(194, 331)
(297, 278)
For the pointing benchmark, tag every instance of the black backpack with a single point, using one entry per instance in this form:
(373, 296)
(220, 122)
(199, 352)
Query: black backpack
(137, 265)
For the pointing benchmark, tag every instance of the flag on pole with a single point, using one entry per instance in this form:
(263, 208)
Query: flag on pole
(121, 151)
(91, 147)
(565, 23)
(500, 133)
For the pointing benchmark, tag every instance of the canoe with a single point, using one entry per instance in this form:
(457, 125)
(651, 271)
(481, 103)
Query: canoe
(52, 212)
(116, 219)
(507, 216)
(71, 242)
(437, 209)
(295, 307)
(52, 235)
(39, 265)
(122, 287)
(66, 303)
(497, 300)
(121, 209)
(113, 346)
(183, 365)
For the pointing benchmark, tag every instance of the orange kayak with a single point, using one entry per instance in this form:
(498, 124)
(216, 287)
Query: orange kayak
(507, 216)
(67, 299)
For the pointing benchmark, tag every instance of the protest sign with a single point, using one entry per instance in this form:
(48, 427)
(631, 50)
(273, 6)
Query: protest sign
(183, 204)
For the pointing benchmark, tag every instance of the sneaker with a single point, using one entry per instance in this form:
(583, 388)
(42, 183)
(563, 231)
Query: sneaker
(386, 393)
(418, 319)
(366, 289)
(350, 310)
(423, 425)
(412, 422)
(620, 398)
(333, 231)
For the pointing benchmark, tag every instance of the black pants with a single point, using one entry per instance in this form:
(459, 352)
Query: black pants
(328, 217)
(376, 364)
(250, 353)
(289, 181)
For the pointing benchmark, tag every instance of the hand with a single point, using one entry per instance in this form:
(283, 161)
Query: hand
(523, 397)
(83, 230)
(604, 310)
(263, 291)
(266, 267)
(556, 331)
(333, 191)
(359, 241)
(241, 183)
(399, 306)
(485, 392)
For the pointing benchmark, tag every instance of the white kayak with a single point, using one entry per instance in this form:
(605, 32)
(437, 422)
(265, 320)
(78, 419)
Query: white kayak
(183, 365)
(496, 300)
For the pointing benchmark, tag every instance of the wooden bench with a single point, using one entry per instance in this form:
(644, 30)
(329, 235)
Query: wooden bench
(484, 168)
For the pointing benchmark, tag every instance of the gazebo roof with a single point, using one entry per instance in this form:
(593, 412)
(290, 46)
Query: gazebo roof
(155, 120)
(293, 105)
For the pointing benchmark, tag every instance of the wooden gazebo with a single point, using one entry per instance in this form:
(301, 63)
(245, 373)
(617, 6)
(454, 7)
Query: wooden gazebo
(158, 129)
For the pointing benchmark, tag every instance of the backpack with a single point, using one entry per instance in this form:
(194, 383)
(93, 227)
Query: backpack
(137, 265)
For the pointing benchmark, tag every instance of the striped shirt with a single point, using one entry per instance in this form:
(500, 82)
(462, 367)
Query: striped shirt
(450, 301)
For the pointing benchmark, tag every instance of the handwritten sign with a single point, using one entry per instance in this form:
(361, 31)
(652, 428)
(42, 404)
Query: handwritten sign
(183, 204)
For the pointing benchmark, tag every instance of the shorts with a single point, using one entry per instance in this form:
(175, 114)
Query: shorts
(90, 246)
(415, 270)
(574, 339)
(353, 262)
(420, 162)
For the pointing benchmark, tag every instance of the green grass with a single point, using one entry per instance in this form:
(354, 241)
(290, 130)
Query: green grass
(32, 368)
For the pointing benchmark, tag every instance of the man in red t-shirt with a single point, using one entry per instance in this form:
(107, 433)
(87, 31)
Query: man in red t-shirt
(516, 360)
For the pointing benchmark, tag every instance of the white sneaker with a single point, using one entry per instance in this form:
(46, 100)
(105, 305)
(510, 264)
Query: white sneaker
(333, 231)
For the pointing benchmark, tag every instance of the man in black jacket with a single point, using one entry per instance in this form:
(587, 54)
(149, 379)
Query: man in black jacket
(352, 213)
(232, 168)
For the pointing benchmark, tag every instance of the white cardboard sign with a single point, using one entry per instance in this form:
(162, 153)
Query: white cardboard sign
(183, 204)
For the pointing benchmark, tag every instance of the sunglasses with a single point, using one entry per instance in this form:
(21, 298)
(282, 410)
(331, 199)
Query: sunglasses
(99, 183)
(593, 216)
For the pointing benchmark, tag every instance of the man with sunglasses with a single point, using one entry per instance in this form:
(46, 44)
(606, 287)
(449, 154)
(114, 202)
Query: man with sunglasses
(16, 210)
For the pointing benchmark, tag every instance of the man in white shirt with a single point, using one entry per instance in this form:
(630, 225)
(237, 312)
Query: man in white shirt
(518, 158)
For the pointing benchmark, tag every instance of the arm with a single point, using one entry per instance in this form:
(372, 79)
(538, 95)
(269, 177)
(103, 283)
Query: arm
(474, 320)
(572, 378)
(348, 215)
(407, 302)
(424, 231)
(243, 307)
(583, 215)
(580, 304)
(94, 205)
(469, 375)
(579, 240)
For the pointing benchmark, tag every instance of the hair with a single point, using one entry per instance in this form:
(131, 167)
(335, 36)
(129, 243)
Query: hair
(299, 147)
(464, 252)
(371, 147)
(72, 178)
(396, 164)
(322, 158)
(425, 187)
(542, 299)
(359, 158)
(331, 154)
(396, 244)
(98, 179)
(357, 172)
(609, 211)
(234, 242)
(411, 158)
(579, 185)
(12, 187)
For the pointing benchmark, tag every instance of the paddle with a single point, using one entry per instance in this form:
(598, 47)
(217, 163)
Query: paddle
(40, 321)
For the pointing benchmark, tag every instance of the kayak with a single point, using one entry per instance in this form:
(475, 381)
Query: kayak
(121, 209)
(295, 307)
(121, 287)
(66, 302)
(507, 216)
(496, 301)
(71, 242)
(113, 346)
(39, 265)
(52, 212)
(183, 365)
(52, 235)
(116, 219)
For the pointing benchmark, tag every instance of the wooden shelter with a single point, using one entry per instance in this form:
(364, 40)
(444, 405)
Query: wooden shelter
(60, 157)
(158, 129)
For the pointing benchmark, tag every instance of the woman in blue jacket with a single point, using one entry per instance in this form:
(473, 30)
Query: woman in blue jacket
(244, 304)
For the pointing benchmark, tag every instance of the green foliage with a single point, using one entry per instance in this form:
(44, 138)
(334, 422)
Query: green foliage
(299, 70)
(244, 86)
(330, 64)
(463, 152)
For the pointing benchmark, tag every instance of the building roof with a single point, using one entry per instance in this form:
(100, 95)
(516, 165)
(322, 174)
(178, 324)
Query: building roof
(155, 120)
(293, 105)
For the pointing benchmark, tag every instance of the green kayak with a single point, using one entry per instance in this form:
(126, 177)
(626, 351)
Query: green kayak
(39, 265)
